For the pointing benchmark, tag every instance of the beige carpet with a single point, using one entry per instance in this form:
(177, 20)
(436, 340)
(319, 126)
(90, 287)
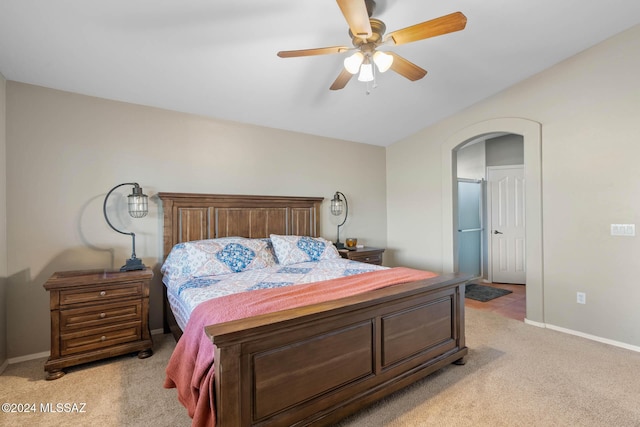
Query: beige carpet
(516, 375)
(122, 391)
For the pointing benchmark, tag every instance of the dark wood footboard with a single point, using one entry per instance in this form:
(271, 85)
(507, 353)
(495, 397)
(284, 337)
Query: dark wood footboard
(317, 364)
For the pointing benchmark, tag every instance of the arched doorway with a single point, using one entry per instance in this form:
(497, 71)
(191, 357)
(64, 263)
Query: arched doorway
(531, 133)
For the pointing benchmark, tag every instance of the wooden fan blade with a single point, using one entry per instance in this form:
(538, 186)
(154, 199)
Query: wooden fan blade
(355, 12)
(342, 80)
(312, 52)
(406, 68)
(436, 27)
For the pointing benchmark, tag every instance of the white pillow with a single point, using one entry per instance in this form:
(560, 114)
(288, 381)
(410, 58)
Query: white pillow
(217, 256)
(296, 249)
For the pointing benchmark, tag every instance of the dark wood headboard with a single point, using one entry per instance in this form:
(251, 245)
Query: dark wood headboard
(192, 216)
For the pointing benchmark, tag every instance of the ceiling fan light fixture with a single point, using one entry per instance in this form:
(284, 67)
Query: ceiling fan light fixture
(352, 63)
(382, 60)
(366, 71)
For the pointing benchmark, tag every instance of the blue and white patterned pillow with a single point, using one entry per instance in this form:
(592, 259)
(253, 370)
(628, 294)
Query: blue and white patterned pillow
(296, 249)
(214, 257)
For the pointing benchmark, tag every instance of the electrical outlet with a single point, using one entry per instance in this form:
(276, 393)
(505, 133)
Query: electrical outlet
(581, 298)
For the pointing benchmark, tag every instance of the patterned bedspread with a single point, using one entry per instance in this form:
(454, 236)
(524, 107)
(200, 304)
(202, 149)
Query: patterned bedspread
(184, 294)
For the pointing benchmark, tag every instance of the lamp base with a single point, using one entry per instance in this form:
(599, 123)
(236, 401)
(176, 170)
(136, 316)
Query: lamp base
(133, 264)
(339, 245)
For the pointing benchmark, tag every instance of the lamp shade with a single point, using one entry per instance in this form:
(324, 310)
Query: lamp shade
(352, 63)
(138, 203)
(366, 72)
(383, 60)
(336, 205)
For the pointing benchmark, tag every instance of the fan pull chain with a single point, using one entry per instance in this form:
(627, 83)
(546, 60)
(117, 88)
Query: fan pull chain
(373, 83)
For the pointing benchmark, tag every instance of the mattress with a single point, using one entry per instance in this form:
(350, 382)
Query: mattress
(184, 294)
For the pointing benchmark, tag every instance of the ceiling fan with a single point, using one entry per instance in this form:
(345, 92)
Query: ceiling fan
(367, 35)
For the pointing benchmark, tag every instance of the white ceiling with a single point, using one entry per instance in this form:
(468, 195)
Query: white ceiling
(218, 58)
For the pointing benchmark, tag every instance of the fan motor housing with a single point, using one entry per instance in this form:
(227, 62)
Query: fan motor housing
(377, 31)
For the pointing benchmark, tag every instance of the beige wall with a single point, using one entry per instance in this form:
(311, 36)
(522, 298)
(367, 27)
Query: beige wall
(65, 151)
(588, 109)
(3, 221)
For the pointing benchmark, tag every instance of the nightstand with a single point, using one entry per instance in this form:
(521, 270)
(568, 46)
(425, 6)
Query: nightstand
(97, 314)
(365, 254)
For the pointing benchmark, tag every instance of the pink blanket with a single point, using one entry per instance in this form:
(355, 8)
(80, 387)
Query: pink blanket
(190, 369)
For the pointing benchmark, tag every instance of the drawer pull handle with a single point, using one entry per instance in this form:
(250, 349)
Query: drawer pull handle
(366, 259)
(103, 293)
(103, 315)
(102, 338)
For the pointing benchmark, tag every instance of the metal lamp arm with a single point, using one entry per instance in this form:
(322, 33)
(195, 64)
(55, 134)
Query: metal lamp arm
(104, 209)
(346, 214)
(346, 209)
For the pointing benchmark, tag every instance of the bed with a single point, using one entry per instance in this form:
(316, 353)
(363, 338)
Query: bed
(309, 363)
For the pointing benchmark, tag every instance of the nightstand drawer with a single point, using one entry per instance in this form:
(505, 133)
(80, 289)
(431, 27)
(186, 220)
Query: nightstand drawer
(370, 259)
(94, 339)
(368, 255)
(100, 293)
(101, 315)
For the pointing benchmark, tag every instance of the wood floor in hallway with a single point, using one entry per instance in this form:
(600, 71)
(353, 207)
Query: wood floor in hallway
(512, 305)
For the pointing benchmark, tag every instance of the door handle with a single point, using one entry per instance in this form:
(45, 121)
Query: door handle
(497, 232)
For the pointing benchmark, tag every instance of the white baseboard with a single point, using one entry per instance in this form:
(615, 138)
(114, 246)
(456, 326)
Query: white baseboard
(538, 324)
(28, 357)
(583, 335)
(19, 359)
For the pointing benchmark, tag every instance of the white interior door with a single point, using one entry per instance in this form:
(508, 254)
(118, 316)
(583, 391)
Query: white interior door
(507, 227)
